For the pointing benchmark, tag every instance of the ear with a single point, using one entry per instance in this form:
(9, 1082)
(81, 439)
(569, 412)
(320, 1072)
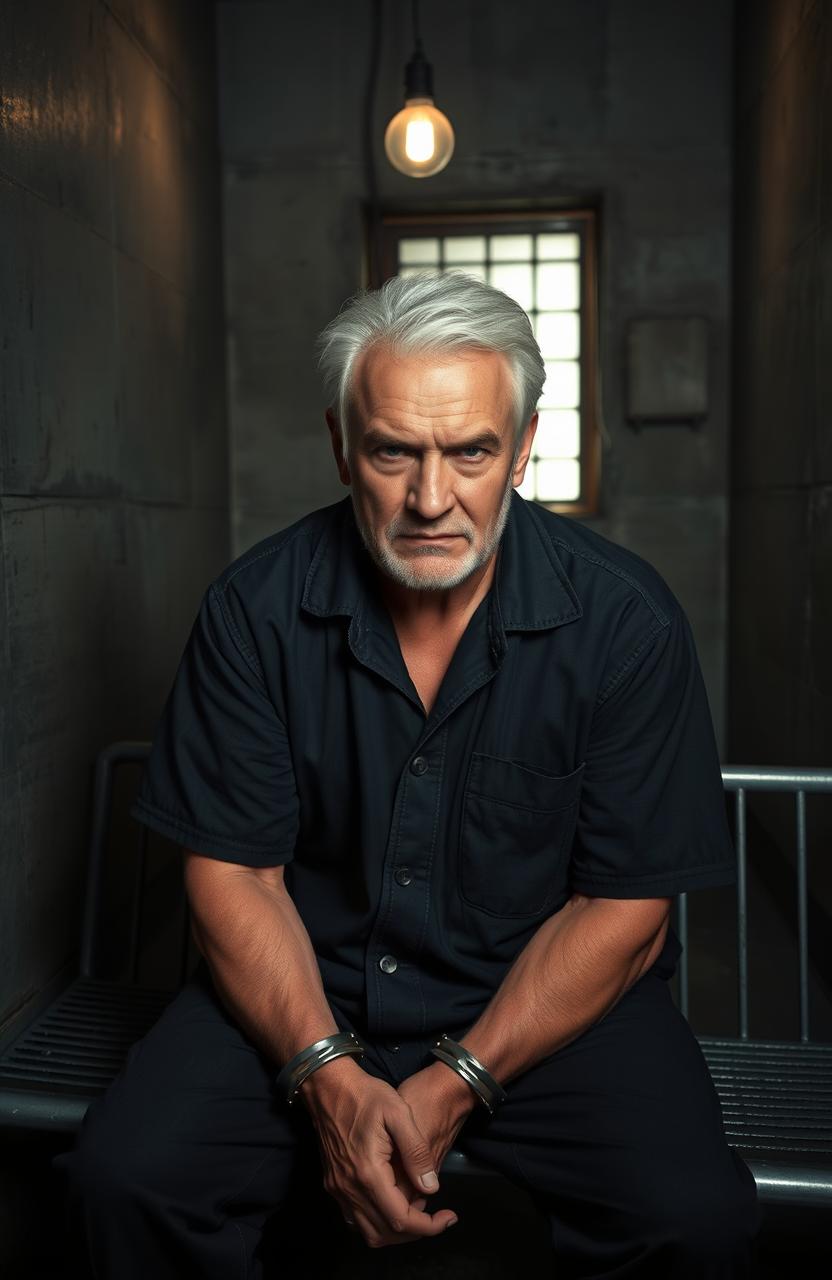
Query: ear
(524, 452)
(338, 447)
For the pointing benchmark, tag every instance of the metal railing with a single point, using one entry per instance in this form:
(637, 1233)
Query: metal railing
(741, 780)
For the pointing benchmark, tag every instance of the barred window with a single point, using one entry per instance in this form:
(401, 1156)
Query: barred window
(546, 262)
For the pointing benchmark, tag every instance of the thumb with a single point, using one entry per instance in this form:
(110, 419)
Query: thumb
(414, 1154)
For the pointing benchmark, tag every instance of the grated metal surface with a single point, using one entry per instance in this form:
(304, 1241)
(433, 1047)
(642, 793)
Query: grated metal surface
(70, 1053)
(776, 1095)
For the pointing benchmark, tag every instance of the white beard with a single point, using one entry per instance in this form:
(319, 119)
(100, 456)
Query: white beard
(440, 577)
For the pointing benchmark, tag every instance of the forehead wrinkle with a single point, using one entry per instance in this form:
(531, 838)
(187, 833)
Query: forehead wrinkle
(427, 409)
(439, 428)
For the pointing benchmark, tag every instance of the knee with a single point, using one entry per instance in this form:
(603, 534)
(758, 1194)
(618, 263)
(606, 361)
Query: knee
(709, 1220)
(104, 1168)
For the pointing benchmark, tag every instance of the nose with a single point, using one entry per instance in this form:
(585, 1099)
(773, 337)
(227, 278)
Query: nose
(430, 490)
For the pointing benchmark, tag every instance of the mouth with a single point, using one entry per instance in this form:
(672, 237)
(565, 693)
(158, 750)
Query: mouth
(429, 537)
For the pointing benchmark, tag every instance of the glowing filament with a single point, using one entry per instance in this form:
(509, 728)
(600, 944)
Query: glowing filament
(419, 144)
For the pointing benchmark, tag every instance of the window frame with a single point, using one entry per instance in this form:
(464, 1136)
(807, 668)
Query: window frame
(583, 222)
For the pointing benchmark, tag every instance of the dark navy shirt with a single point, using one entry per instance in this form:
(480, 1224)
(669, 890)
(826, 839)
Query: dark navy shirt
(570, 748)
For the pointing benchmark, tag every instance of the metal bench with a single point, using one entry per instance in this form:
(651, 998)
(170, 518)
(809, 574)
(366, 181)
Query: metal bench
(65, 1048)
(776, 1094)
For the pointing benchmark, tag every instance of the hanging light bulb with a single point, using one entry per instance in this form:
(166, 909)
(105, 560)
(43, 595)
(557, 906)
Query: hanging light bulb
(419, 140)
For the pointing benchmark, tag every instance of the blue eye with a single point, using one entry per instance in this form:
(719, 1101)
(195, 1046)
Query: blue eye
(471, 450)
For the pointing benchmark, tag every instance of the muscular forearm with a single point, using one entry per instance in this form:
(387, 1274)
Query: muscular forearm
(266, 973)
(572, 971)
(261, 959)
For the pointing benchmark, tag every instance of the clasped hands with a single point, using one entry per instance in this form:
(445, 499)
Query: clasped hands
(381, 1149)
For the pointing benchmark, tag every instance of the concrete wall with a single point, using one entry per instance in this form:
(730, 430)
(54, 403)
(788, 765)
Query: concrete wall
(114, 491)
(626, 103)
(781, 563)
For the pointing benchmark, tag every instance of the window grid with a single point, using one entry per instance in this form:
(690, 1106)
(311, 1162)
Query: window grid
(562, 470)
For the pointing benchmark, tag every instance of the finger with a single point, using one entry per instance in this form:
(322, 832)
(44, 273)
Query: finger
(413, 1152)
(404, 1184)
(366, 1216)
(404, 1181)
(372, 1220)
(378, 1235)
(397, 1213)
(376, 1231)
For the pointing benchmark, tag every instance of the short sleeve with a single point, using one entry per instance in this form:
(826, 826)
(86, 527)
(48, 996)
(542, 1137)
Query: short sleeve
(220, 779)
(652, 819)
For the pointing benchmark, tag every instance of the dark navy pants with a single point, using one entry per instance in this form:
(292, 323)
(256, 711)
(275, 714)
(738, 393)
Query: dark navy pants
(618, 1136)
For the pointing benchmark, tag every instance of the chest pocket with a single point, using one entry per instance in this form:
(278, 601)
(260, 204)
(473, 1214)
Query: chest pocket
(517, 829)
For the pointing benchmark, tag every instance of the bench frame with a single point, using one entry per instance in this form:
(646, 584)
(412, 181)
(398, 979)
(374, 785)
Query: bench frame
(66, 1046)
(776, 1095)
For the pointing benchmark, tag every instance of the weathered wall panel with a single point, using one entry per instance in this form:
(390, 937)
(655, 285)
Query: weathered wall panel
(627, 105)
(114, 484)
(58, 372)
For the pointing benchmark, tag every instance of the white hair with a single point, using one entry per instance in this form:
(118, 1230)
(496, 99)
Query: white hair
(422, 313)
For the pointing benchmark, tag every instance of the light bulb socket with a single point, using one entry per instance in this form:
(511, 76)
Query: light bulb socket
(418, 75)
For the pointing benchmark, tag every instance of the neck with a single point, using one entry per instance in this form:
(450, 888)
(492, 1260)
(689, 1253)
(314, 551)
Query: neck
(422, 611)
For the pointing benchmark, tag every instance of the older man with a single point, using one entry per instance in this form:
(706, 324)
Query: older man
(439, 760)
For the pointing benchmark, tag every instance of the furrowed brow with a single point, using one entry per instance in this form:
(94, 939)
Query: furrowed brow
(375, 438)
(483, 440)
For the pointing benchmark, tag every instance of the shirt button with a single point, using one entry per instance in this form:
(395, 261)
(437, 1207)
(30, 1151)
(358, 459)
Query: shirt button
(402, 876)
(418, 765)
(393, 1048)
(388, 963)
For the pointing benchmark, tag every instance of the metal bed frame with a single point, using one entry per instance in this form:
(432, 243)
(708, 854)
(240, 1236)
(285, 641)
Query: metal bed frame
(776, 1095)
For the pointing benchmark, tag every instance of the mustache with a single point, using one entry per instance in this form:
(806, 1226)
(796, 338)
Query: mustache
(400, 528)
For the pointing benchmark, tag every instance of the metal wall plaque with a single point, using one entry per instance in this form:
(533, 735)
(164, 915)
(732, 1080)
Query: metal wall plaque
(667, 370)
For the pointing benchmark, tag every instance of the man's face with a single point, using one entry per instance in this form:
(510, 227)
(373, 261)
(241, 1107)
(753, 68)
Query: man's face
(432, 461)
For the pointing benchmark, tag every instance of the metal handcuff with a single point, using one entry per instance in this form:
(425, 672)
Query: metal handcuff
(292, 1075)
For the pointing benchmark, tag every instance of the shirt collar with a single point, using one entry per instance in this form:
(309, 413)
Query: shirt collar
(531, 590)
